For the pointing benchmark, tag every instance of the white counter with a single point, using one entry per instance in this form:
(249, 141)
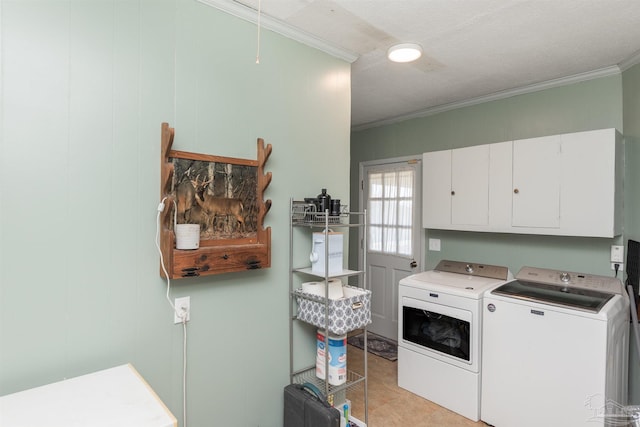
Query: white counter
(114, 397)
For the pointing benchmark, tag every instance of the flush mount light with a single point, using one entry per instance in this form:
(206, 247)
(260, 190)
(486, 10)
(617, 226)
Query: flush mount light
(404, 52)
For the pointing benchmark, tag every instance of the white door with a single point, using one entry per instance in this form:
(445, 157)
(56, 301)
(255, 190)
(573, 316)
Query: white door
(391, 193)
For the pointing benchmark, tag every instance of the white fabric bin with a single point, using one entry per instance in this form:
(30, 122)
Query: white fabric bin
(335, 257)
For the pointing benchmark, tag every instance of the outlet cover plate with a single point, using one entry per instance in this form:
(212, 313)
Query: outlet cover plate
(617, 253)
(183, 303)
(620, 266)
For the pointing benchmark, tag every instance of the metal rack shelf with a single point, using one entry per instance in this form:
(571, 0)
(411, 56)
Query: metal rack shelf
(303, 214)
(308, 375)
(343, 273)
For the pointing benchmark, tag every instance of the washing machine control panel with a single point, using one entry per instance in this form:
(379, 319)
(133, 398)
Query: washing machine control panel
(471, 269)
(572, 279)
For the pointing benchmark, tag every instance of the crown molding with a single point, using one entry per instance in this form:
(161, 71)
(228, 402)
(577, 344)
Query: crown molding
(549, 84)
(248, 14)
(628, 63)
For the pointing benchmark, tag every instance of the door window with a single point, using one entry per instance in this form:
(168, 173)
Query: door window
(390, 210)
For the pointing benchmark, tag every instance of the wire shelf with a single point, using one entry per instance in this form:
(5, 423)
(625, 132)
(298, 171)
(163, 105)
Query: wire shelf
(306, 213)
(354, 380)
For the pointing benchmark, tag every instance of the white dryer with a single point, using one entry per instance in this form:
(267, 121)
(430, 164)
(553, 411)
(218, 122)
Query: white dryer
(555, 350)
(439, 333)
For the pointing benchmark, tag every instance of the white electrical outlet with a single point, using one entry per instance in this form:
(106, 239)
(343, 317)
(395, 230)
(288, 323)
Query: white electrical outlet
(183, 305)
(434, 244)
(620, 266)
(617, 253)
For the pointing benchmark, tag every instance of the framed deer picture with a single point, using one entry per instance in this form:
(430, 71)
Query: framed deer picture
(224, 196)
(218, 195)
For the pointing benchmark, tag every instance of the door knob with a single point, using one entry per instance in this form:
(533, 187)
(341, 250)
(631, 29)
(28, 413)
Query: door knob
(413, 263)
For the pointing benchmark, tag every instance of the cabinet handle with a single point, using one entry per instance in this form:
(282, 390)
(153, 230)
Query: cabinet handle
(516, 191)
(453, 193)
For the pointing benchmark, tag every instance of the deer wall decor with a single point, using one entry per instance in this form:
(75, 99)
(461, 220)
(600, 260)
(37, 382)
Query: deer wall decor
(226, 199)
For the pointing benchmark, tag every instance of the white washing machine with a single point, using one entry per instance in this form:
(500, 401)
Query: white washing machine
(439, 333)
(555, 350)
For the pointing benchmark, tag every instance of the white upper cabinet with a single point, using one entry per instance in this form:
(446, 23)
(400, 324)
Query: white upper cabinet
(500, 186)
(436, 189)
(536, 182)
(591, 174)
(456, 186)
(567, 184)
(470, 185)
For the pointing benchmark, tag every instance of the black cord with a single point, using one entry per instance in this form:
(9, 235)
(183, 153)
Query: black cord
(617, 267)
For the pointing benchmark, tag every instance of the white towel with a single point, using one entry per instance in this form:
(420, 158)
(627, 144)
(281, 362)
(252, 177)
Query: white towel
(317, 288)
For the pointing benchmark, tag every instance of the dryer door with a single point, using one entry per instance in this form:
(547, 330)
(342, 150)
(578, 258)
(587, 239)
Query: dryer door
(437, 330)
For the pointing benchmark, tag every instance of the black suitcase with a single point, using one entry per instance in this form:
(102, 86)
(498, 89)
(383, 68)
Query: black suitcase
(306, 406)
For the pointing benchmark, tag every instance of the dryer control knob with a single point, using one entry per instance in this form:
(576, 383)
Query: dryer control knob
(469, 269)
(565, 277)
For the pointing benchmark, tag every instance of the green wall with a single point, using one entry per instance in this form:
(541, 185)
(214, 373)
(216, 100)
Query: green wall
(588, 105)
(84, 89)
(631, 90)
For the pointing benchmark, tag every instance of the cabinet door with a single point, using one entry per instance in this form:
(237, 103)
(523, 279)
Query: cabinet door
(470, 185)
(589, 199)
(436, 189)
(536, 182)
(500, 186)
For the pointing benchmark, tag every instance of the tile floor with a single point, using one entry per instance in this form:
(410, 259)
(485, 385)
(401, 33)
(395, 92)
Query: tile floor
(392, 406)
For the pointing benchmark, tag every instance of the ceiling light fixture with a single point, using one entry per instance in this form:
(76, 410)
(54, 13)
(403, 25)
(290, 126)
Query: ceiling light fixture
(404, 52)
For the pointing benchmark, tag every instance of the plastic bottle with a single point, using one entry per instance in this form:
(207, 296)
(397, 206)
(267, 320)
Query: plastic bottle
(324, 201)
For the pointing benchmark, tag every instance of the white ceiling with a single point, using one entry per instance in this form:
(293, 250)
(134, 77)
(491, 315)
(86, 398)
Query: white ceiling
(473, 49)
